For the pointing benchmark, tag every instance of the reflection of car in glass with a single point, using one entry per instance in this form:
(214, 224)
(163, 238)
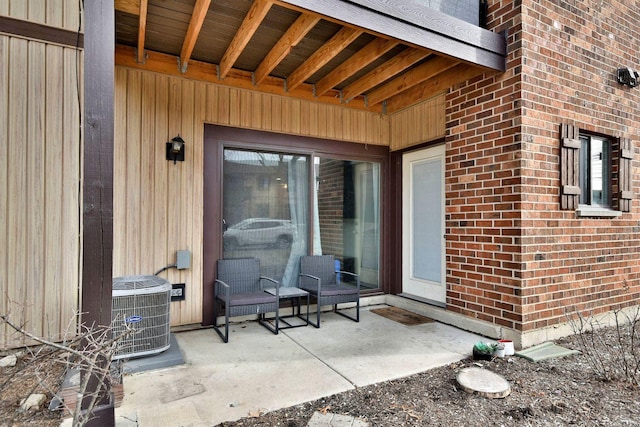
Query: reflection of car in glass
(259, 231)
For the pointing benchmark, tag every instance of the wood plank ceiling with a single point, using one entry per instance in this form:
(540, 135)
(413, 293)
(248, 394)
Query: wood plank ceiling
(280, 47)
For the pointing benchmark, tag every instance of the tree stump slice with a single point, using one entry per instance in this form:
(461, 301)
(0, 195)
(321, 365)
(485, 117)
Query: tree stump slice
(484, 383)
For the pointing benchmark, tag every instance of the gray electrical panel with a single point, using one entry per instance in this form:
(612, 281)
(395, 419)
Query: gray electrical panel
(183, 260)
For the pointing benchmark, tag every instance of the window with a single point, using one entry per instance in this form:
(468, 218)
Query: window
(595, 173)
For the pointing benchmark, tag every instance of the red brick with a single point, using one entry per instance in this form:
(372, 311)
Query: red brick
(561, 64)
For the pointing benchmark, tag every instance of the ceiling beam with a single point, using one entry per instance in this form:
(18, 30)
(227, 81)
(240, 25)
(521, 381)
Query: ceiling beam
(128, 6)
(395, 65)
(326, 53)
(200, 10)
(417, 75)
(206, 72)
(250, 24)
(289, 40)
(142, 28)
(361, 59)
(421, 27)
(439, 83)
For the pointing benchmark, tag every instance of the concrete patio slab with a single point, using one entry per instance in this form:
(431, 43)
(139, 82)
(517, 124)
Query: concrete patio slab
(258, 372)
(377, 349)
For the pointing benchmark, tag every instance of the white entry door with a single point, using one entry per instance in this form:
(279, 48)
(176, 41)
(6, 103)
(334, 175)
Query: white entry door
(423, 243)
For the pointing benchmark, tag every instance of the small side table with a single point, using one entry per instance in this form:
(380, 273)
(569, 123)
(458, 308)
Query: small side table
(294, 295)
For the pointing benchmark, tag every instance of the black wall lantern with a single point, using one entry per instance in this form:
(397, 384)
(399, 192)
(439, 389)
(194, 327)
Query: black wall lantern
(175, 149)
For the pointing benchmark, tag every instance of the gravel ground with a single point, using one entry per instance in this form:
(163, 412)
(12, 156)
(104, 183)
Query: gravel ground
(557, 392)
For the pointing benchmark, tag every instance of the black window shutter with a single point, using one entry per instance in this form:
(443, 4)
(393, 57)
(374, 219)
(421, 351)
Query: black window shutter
(625, 194)
(569, 166)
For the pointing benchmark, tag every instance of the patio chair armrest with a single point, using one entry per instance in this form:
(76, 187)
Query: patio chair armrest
(226, 287)
(310, 276)
(269, 279)
(354, 275)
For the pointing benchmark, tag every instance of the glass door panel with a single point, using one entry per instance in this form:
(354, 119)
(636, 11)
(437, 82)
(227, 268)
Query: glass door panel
(348, 215)
(423, 252)
(265, 210)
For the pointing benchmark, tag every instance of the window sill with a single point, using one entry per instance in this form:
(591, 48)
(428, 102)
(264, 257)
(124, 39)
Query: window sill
(593, 211)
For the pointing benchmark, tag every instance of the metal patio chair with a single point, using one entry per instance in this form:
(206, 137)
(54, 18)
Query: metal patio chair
(319, 277)
(239, 289)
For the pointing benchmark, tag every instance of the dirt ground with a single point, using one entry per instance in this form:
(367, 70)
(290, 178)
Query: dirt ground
(34, 372)
(556, 392)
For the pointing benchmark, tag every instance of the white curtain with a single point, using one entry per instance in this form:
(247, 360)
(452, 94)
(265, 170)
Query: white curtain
(298, 190)
(370, 216)
(317, 245)
(376, 209)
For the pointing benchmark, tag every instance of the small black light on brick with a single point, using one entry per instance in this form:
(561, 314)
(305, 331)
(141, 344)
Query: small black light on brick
(175, 149)
(628, 77)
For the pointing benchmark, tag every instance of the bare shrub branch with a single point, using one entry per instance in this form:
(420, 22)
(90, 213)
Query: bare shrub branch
(89, 351)
(612, 353)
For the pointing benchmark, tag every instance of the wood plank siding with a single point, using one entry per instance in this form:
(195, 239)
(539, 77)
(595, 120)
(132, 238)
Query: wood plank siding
(60, 14)
(39, 183)
(420, 123)
(158, 206)
(40, 222)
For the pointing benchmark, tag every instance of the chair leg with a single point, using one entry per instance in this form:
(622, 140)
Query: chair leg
(225, 336)
(317, 323)
(262, 319)
(357, 316)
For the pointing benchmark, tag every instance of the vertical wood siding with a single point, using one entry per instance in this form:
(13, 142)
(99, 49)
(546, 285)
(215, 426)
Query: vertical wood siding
(420, 123)
(55, 13)
(39, 186)
(158, 206)
(253, 110)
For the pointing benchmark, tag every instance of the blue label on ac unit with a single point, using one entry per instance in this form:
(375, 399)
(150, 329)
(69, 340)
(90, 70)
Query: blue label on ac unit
(133, 319)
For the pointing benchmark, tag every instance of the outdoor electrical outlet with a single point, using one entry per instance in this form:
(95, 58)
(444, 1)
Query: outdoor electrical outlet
(183, 260)
(178, 292)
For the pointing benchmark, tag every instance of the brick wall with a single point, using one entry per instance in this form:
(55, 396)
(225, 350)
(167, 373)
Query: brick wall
(513, 257)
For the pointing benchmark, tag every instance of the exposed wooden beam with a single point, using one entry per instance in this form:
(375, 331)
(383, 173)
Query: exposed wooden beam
(411, 78)
(418, 26)
(202, 71)
(362, 58)
(289, 40)
(458, 74)
(250, 24)
(394, 66)
(142, 28)
(128, 6)
(330, 49)
(200, 10)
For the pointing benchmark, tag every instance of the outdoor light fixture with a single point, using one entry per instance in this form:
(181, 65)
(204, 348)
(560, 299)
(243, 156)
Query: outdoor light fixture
(628, 77)
(175, 149)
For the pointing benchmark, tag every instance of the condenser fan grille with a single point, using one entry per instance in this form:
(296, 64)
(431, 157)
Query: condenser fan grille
(141, 303)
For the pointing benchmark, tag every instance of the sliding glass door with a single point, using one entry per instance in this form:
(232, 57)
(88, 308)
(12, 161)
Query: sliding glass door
(272, 211)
